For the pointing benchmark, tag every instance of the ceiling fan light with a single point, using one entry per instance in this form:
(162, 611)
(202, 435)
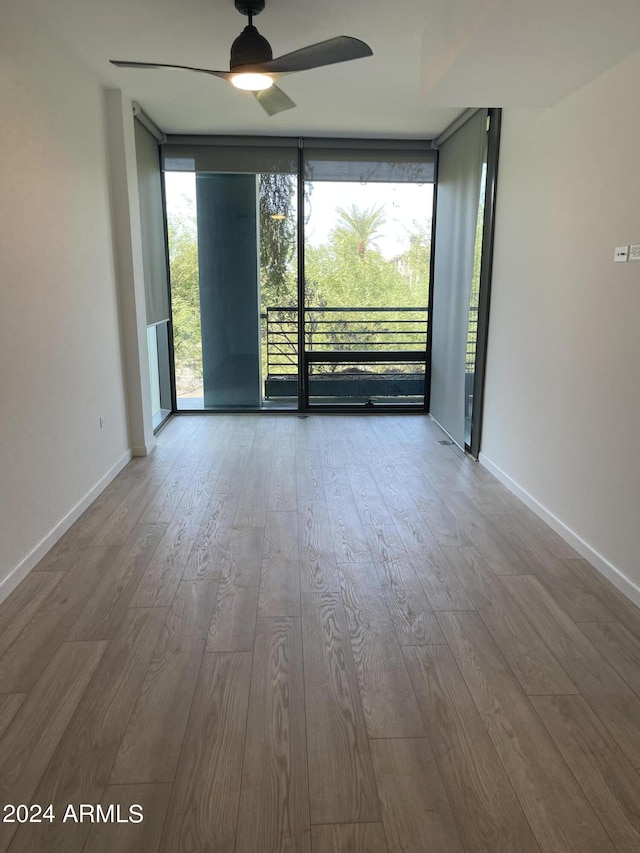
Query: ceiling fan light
(252, 82)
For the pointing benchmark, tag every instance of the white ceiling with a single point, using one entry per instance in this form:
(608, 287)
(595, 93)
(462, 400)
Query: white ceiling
(432, 58)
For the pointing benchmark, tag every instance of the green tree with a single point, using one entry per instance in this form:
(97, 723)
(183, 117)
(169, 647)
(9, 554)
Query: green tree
(185, 300)
(361, 227)
(350, 271)
(277, 240)
(415, 264)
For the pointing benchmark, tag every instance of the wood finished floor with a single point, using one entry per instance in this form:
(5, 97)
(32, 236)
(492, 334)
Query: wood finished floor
(319, 635)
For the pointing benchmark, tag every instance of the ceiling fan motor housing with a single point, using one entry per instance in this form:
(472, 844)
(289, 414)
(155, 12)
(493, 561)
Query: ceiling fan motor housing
(250, 48)
(249, 7)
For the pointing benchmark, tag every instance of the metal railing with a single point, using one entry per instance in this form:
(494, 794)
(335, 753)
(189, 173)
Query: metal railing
(349, 329)
(346, 330)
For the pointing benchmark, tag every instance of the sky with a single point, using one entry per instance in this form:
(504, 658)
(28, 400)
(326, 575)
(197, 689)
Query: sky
(405, 205)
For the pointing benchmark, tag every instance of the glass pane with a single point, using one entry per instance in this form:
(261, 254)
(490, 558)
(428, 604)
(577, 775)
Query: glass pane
(474, 301)
(232, 244)
(182, 226)
(158, 351)
(367, 257)
(278, 194)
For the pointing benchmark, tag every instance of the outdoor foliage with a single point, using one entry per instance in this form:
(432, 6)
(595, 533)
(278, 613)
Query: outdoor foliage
(277, 240)
(185, 300)
(347, 270)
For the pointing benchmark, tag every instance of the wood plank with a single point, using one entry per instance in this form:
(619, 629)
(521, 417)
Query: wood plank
(232, 471)
(106, 605)
(120, 524)
(233, 623)
(341, 782)
(34, 734)
(318, 564)
(193, 506)
(280, 574)
(442, 469)
(369, 500)
(211, 542)
(532, 662)
(492, 498)
(607, 693)
(560, 816)
(570, 592)
(63, 555)
(619, 646)
(264, 439)
(28, 656)
(304, 439)
(609, 781)
(151, 744)
(505, 555)
(79, 768)
(348, 838)
(94, 517)
(329, 452)
(622, 608)
(309, 478)
(388, 702)
(23, 603)
(254, 495)
(159, 583)
(441, 585)
(488, 814)
(274, 797)
(413, 619)
(421, 490)
(349, 537)
(143, 837)
(244, 429)
(162, 507)
(415, 809)
(282, 485)
(285, 434)
(538, 535)
(9, 706)
(440, 520)
(203, 809)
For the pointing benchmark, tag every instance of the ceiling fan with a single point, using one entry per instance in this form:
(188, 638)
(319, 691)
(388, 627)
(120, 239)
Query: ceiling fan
(252, 66)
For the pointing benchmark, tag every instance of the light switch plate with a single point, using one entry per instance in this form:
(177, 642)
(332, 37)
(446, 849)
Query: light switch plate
(621, 254)
(634, 253)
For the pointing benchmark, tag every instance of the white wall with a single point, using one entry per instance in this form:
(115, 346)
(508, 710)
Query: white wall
(562, 416)
(60, 348)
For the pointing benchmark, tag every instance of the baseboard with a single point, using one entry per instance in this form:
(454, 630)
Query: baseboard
(22, 569)
(587, 551)
(140, 451)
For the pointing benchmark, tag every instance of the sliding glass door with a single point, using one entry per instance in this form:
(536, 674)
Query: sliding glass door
(231, 215)
(294, 292)
(366, 275)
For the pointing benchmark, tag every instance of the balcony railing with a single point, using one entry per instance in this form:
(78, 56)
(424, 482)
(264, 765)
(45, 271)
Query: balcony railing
(362, 351)
(349, 352)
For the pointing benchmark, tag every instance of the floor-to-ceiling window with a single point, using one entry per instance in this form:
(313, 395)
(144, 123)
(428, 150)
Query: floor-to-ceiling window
(367, 255)
(292, 293)
(232, 226)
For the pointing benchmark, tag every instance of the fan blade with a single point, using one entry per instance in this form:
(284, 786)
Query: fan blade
(124, 64)
(339, 49)
(274, 100)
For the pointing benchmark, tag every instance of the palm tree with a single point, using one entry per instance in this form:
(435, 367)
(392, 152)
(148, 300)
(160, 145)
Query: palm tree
(363, 225)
